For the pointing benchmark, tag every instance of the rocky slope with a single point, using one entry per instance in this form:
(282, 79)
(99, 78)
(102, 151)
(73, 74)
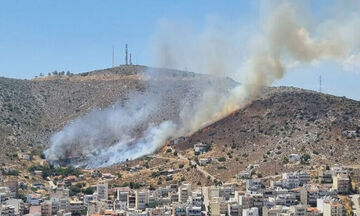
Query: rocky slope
(284, 121)
(32, 110)
(259, 138)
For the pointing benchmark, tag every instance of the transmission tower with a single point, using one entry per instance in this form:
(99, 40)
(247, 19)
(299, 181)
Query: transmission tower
(320, 84)
(126, 54)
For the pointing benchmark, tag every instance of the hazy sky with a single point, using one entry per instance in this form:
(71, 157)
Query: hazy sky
(40, 36)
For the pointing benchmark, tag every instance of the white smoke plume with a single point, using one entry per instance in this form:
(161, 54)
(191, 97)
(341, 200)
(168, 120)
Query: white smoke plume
(106, 137)
(214, 52)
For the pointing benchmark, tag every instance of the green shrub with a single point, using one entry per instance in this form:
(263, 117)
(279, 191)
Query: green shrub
(89, 191)
(305, 158)
(155, 174)
(221, 159)
(11, 172)
(134, 185)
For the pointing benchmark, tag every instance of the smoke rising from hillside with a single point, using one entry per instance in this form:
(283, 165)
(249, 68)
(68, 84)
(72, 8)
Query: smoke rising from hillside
(216, 53)
(109, 136)
(106, 137)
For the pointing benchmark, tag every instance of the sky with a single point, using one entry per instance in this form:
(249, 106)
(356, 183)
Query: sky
(40, 36)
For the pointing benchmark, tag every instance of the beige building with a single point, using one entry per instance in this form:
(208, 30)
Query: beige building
(46, 208)
(218, 206)
(333, 209)
(234, 209)
(76, 207)
(246, 201)
(102, 191)
(298, 210)
(142, 198)
(184, 192)
(341, 183)
(157, 212)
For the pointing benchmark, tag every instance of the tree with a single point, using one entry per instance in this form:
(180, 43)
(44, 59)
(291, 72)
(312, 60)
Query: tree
(305, 158)
(74, 190)
(134, 185)
(208, 147)
(89, 191)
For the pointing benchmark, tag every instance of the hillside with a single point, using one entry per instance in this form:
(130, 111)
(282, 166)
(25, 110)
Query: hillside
(284, 121)
(32, 110)
(263, 134)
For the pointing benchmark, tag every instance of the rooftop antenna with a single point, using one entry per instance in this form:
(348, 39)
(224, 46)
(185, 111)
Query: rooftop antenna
(126, 54)
(130, 61)
(320, 84)
(113, 61)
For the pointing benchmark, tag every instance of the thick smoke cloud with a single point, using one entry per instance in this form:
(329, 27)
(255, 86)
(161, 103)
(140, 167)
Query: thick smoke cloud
(217, 52)
(112, 135)
(106, 137)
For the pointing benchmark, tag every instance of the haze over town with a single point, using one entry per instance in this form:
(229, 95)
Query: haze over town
(187, 108)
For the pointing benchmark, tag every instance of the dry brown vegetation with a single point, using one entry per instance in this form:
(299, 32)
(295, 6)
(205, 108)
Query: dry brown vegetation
(281, 122)
(32, 110)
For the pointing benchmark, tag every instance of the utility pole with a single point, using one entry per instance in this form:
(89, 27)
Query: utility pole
(320, 84)
(126, 54)
(113, 61)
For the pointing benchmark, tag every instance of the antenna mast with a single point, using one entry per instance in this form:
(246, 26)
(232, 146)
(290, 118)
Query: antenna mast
(130, 61)
(320, 84)
(126, 54)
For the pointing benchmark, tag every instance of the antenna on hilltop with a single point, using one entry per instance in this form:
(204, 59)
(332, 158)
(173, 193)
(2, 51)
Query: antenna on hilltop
(320, 84)
(130, 61)
(113, 61)
(126, 54)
